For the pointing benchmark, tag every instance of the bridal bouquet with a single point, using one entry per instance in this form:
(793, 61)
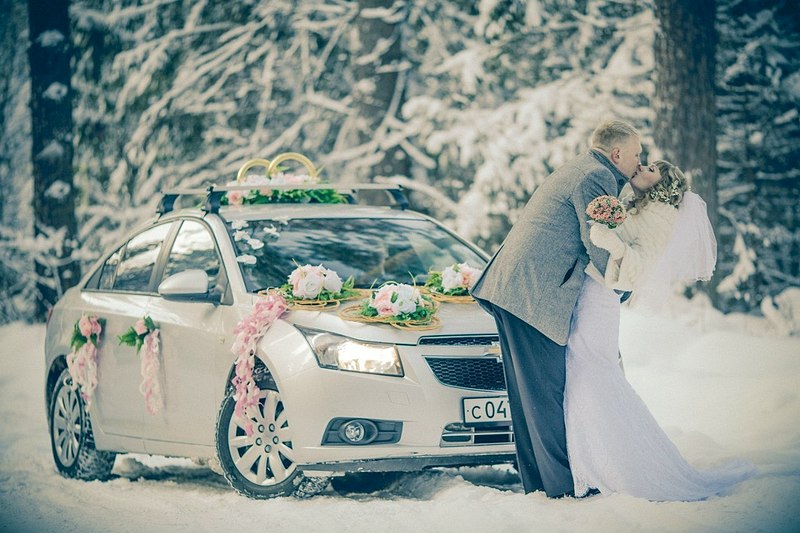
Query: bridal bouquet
(453, 283)
(606, 210)
(317, 286)
(397, 304)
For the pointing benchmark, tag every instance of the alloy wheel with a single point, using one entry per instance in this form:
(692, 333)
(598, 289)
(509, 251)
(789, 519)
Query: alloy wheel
(266, 457)
(67, 425)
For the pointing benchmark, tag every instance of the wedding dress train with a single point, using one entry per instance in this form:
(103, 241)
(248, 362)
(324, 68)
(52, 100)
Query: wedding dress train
(614, 443)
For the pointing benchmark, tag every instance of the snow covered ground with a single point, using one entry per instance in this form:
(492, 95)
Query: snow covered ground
(722, 387)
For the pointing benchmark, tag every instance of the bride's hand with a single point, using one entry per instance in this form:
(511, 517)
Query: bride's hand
(603, 237)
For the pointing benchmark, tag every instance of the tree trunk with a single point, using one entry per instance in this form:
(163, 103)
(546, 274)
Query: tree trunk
(49, 55)
(686, 124)
(379, 90)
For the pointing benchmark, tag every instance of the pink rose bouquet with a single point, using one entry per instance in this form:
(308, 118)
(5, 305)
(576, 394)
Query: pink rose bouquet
(136, 334)
(317, 283)
(146, 333)
(82, 358)
(400, 302)
(455, 280)
(606, 210)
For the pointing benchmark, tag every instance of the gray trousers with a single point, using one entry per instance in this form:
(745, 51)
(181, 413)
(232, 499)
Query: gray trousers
(535, 369)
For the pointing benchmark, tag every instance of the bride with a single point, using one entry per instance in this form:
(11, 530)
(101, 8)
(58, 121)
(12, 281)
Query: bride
(613, 442)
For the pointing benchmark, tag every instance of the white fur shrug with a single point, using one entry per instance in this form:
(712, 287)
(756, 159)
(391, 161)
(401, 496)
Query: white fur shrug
(635, 246)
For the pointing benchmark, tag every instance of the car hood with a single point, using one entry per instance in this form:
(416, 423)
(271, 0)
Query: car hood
(456, 320)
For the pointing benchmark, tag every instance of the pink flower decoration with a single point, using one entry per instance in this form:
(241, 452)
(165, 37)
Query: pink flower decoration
(139, 327)
(85, 326)
(247, 335)
(235, 197)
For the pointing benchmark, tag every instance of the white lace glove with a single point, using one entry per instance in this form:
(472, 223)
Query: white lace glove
(605, 238)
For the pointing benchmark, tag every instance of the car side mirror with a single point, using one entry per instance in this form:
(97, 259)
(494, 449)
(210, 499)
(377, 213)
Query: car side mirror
(187, 285)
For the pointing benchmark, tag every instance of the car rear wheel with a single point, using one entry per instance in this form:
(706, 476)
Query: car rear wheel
(71, 437)
(261, 465)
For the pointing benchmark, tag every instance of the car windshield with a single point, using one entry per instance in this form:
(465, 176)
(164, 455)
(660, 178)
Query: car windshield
(372, 250)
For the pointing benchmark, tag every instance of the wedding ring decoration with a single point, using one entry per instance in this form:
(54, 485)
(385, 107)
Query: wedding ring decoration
(270, 167)
(292, 188)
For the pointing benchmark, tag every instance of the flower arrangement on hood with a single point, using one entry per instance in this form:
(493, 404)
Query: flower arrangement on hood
(606, 210)
(317, 284)
(146, 333)
(82, 358)
(398, 304)
(455, 280)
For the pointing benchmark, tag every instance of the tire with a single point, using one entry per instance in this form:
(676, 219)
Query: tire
(71, 437)
(261, 466)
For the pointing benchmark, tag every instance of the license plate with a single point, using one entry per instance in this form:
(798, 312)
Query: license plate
(487, 409)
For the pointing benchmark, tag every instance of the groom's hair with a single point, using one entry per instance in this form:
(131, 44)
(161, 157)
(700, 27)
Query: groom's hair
(612, 133)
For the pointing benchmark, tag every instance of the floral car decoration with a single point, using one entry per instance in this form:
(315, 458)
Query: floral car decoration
(146, 333)
(606, 210)
(275, 175)
(82, 358)
(453, 283)
(317, 287)
(246, 336)
(398, 304)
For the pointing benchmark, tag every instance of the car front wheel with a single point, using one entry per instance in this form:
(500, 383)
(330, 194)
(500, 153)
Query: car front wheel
(71, 437)
(261, 465)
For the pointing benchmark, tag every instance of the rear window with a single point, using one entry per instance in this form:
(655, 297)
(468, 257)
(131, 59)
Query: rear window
(371, 250)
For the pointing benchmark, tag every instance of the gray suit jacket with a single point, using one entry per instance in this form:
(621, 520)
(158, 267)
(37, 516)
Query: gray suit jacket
(537, 272)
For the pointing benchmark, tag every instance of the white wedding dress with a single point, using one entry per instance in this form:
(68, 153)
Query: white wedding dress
(613, 442)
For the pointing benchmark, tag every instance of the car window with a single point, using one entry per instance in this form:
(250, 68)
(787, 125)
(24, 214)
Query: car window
(194, 248)
(141, 253)
(372, 250)
(108, 271)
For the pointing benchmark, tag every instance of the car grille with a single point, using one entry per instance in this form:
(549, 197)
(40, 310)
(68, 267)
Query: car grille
(479, 373)
(472, 340)
(458, 434)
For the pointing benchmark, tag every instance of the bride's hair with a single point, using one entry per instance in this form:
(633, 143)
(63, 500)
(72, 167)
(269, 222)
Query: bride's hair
(668, 190)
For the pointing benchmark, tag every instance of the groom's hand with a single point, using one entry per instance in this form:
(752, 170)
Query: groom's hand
(604, 238)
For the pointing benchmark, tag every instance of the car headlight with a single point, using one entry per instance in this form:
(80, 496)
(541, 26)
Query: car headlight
(343, 353)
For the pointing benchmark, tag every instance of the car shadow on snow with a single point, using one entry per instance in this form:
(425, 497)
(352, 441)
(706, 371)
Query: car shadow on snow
(423, 485)
(178, 471)
(361, 486)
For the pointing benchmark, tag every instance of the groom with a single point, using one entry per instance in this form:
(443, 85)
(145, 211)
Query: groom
(531, 286)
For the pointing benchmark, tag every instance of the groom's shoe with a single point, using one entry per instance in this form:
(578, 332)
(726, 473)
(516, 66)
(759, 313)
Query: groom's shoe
(589, 494)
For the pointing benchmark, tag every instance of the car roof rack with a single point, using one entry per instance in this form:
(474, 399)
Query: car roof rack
(213, 194)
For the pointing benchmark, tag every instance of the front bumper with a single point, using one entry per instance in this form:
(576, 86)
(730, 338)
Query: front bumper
(427, 409)
(407, 464)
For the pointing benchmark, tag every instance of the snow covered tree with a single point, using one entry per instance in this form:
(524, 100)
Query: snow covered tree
(51, 134)
(759, 150)
(17, 281)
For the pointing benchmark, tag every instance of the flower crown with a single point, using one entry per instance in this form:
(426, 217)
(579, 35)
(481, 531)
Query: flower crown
(669, 193)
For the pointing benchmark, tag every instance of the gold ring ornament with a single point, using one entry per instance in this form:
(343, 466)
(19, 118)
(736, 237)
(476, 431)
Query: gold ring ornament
(275, 186)
(253, 163)
(313, 172)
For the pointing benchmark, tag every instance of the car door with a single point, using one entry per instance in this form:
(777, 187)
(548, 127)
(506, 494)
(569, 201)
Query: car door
(191, 336)
(121, 297)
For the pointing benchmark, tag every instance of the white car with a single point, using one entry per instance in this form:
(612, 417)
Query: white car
(412, 399)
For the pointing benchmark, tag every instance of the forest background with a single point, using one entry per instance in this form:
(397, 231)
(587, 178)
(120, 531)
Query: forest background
(469, 104)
